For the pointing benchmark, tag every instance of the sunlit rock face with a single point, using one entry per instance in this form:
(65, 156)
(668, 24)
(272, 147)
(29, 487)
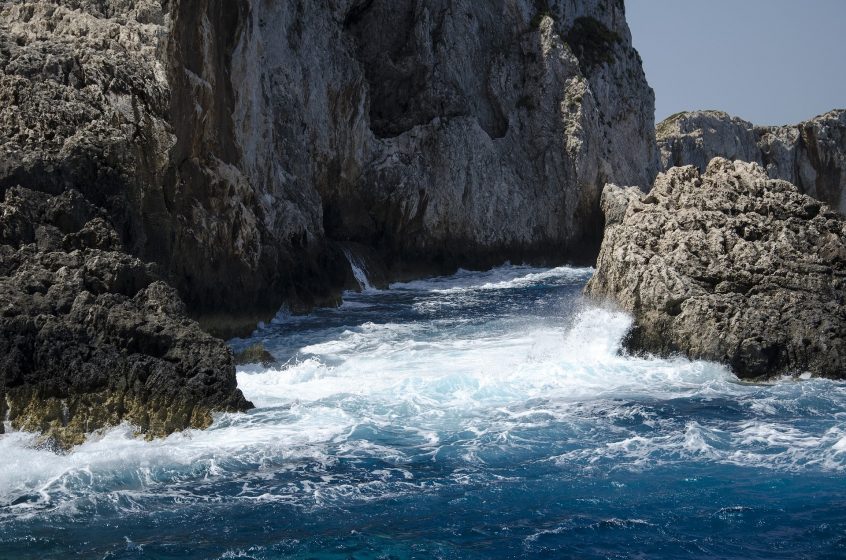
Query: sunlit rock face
(811, 155)
(445, 133)
(728, 265)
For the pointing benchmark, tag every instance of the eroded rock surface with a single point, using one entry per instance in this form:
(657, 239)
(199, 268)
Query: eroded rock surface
(89, 337)
(810, 155)
(731, 266)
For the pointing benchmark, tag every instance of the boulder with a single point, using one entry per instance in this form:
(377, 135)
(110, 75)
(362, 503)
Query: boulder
(728, 265)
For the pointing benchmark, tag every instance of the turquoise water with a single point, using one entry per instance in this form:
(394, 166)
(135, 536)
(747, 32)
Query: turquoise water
(483, 415)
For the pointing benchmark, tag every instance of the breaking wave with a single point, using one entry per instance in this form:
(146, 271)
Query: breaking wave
(449, 388)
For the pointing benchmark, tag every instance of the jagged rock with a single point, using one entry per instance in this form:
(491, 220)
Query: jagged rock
(130, 103)
(89, 338)
(811, 155)
(730, 266)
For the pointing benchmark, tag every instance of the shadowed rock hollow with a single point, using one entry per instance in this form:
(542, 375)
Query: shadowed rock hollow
(731, 266)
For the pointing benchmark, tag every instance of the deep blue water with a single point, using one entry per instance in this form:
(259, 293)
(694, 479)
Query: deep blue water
(484, 415)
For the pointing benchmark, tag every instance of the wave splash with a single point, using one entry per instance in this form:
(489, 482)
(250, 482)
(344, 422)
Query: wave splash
(473, 373)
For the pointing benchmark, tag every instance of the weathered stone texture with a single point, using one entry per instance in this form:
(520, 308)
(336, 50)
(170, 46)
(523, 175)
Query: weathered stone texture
(811, 155)
(731, 266)
(89, 337)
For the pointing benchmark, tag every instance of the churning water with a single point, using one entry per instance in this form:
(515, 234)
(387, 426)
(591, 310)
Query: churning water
(482, 415)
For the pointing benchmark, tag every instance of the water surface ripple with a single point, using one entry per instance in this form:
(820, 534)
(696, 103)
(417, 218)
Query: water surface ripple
(482, 415)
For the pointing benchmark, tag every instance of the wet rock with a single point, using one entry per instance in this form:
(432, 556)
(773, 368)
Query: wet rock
(811, 155)
(255, 354)
(89, 338)
(728, 265)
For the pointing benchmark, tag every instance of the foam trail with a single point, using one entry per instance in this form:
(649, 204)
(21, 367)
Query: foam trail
(359, 271)
(507, 365)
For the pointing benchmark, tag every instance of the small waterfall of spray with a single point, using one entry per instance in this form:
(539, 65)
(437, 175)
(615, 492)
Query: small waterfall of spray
(358, 270)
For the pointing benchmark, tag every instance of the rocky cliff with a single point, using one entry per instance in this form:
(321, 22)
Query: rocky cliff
(90, 337)
(235, 143)
(239, 148)
(728, 265)
(811, 155)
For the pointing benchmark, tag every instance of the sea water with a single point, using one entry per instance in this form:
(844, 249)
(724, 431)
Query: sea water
(481, 415)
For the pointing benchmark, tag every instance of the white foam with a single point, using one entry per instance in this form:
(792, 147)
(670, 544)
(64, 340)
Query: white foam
(359, 271)
(479, 389)
(499, 278)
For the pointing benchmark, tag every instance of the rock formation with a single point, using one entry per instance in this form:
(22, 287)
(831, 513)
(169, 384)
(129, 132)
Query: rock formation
(236, 143)
(731, 266)
(811, 155)
(238, 149)
(89, 337)
(235, 150)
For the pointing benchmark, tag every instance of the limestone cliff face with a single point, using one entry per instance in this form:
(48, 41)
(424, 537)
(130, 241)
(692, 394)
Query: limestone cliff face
(811, 155)
(442, 132)
(237, 143)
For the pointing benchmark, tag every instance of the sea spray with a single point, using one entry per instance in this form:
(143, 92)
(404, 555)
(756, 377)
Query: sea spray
(485, 414)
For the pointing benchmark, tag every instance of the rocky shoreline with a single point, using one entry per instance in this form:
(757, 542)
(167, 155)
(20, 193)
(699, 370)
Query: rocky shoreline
(170, 169)
(235, 150)
(90, 336)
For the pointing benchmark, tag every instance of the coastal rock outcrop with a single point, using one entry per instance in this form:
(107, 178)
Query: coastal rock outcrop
(89, 338)
(238, 149)
(728, 265)
(810, 155)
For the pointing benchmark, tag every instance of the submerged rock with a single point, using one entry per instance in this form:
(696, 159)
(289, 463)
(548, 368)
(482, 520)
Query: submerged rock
(255, 354)
(89, 338)
(728, 265)
(811, 155)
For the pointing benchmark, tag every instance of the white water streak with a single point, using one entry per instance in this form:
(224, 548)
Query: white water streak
(482, 388)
